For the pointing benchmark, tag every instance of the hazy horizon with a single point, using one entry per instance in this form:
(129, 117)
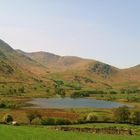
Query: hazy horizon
(105, 30)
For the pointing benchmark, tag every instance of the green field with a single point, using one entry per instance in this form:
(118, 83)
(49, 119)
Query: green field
(43, 133)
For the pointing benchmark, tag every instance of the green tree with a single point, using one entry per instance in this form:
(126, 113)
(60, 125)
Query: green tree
(136, 117)
(60, 91)
(32, 115)
(122, 114)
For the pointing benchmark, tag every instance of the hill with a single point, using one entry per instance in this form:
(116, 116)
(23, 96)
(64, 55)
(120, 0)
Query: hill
(17, 71)
(44, 70)
(56, 62)
(14, 63)
(69, 67)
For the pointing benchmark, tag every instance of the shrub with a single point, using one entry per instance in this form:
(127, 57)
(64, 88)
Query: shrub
(48, 121)
(122, 114)
(61, 121)
(136, 117)
(133, 99)
(55, 121)
(113, 92)
(91, 117)
(60, 91)
(8, 118)
(7, 104)
(2, 105)
(78, 94)
(11, 105)
(105, 119)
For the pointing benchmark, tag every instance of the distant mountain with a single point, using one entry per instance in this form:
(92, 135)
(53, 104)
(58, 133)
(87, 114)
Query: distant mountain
(68, 67)
(44, 58)
(22, 66)
(66, 63)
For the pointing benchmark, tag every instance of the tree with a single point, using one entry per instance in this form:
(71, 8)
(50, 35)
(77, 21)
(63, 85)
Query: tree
(32, 115)
(60, 91)
(7, 118)
(122, 114)
(136, 117)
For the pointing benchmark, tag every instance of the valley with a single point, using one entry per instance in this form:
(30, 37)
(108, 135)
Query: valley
(39, 75)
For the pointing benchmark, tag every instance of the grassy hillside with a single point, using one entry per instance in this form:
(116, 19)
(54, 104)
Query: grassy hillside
(19, 71)
(85, 75)
(45, 74)
(42, 133)
(96, 70)
(58, 63)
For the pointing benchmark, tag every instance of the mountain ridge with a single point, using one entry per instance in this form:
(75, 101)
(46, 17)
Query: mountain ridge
(30, 54)
(88, 67)
(44, 66)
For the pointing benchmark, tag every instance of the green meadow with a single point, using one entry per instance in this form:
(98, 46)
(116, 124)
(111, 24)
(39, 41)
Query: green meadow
(43, 133)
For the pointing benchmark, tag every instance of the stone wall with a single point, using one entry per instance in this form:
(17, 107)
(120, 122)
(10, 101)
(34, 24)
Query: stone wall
(117, 131)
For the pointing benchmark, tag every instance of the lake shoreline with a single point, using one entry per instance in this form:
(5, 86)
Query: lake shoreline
(68, 102)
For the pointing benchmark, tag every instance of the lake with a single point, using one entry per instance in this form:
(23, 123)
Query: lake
(74, 103)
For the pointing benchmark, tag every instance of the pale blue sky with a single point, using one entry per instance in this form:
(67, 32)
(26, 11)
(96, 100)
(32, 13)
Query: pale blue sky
(105, 30)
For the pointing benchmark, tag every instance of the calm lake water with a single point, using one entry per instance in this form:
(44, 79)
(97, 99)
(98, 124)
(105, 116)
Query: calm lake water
(74, 103)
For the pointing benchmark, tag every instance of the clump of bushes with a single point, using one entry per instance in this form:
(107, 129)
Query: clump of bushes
(91, 117)
(105, 119)
(78, 94)
(7, 119)
(60, 91)
(135, 117)
(55, 121)
(87, 93)
(133, 99)
(6, 104)
(121, 114)
(48, 121)
(130, 90)
(2, 105)
(61, 121)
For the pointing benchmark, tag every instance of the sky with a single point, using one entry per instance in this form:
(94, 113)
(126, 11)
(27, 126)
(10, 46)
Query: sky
(104, 30)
